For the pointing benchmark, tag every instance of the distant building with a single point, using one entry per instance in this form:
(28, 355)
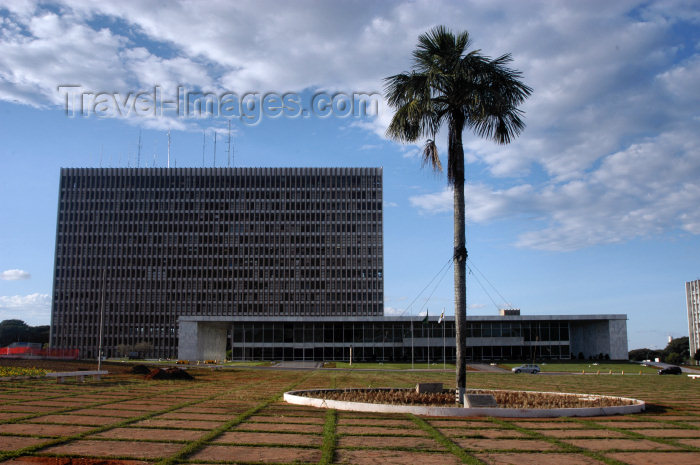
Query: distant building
(234, 242)
(270, 263)
(692, 295)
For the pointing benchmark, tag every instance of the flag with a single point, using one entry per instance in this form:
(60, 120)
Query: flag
(442, 317)
(425, 320)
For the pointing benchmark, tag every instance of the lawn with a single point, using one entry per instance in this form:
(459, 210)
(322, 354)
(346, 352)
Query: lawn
(590, 367)
(392, 366)
(236, 415)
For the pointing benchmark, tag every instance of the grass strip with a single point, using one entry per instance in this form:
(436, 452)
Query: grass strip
(330, 438)
(639, 436)
(57, 396)
(197, 444)
(124, 423)
(445, 441)
(564, 446)
(61, 411)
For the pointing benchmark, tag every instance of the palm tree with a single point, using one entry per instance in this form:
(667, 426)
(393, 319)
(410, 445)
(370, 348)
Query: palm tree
(466, 90)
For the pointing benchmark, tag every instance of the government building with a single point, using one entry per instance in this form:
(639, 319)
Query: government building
(692, 295)
(269, 263)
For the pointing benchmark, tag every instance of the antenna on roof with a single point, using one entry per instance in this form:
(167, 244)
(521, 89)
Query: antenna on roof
(204, 144)
(228, 147)
(214, 162)
(138, 155)
(154, 159)
(168, 148)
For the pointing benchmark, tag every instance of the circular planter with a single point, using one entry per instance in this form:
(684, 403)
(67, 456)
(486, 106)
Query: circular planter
(305, 398)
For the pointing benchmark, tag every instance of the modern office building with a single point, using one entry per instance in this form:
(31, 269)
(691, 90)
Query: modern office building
(230, 242)
(692, 295)
(271, 263)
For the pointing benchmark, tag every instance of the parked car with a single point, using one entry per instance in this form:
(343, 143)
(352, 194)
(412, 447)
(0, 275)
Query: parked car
(527, 368)
(672, 370)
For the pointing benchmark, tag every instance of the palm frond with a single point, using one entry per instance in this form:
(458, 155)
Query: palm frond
(431, 156)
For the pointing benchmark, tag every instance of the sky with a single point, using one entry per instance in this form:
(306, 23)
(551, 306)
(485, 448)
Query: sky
(594, 209)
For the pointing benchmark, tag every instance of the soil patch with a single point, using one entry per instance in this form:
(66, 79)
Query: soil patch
(184, 424)
(70, 461)
(257, 454)
(140, 370)
(44, 430)
(669, 433)
(283, 419)
(11, 415)
(538, 459)
(194, 416)
(580, 433)
(630, 424)
(151, 434)
(108, 412)
(76, 420)
(376, 422)
(619, 444)
(292, 428)
(657, 458)
(504, 444)
(18, 442)
(380, 430)
(169, 373)
(485, 433)
(241, 437)
(394, 457)
(388, 442)
(558, 425)
(151, 450)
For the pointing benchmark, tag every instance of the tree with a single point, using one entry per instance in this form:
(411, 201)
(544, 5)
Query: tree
(639, 355)
(449, 85)
(18, 331)
(680, 346)
(673, 358)
(696, 357)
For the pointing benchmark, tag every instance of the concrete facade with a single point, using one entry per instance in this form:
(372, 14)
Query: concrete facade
(202, 340)
(540, 337)
(160, 243)
(692, 294)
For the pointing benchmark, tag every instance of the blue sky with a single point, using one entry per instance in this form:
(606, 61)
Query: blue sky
(594, 209)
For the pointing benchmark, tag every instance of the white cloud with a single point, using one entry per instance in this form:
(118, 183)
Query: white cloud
(646, 189)
(14, 275)
(391, 311)
(614, 87)
(33, 309)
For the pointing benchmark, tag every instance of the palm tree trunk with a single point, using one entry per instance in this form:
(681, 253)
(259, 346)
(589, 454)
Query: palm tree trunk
(456, 174)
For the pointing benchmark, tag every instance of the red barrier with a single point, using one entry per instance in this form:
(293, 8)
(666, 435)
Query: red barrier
(19, 352)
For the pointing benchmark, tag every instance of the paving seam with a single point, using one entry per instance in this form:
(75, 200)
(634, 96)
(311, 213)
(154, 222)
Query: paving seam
(564, 446)
(62, 440)
(195, 446)
(71, 409)
(62, 395)
(635, 435)
(446, 442)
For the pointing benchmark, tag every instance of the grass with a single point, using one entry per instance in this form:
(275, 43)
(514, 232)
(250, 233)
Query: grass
(589, 367)
(249, 395)
(393, 366)
(21, 371)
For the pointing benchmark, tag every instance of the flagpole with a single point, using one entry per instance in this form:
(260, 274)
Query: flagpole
(444, 354)
(427, 317)
(412, 343)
